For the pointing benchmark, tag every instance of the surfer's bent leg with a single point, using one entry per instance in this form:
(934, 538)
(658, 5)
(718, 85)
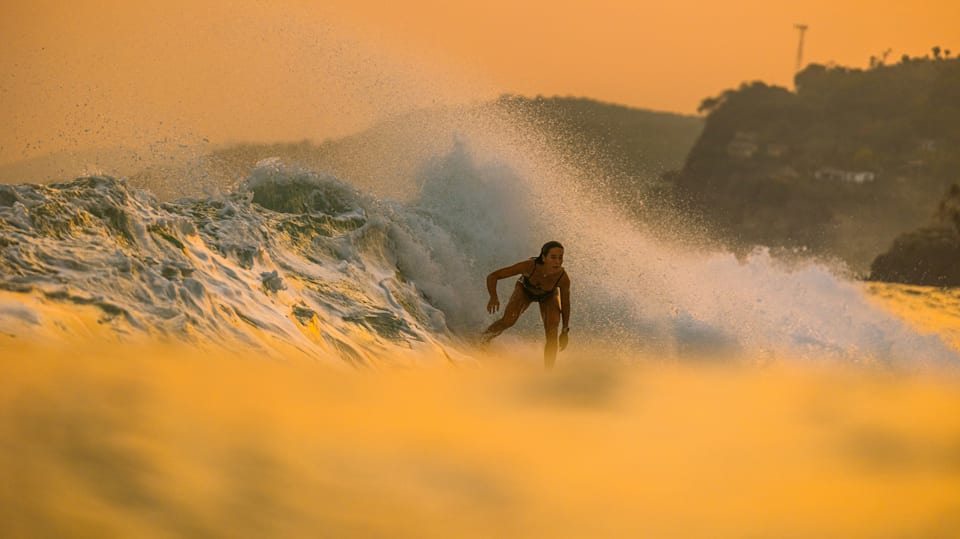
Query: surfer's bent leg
(519, 301)
(550, 314)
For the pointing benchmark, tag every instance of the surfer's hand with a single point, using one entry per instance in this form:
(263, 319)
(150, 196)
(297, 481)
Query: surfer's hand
(493, 305)
(564, 337)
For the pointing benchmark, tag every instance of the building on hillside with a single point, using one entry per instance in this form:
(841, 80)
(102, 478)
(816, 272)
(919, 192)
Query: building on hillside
(785, 173)
(850, 176)
(928, 145)
(776, 150)
(743, 146)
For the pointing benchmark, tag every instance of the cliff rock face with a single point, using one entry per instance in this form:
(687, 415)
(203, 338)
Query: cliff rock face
(929, 255)
(840, 167)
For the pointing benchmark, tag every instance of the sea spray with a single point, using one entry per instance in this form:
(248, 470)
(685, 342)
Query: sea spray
(378, 274)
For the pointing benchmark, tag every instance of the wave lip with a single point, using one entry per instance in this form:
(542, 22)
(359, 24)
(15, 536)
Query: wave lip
(291, 261)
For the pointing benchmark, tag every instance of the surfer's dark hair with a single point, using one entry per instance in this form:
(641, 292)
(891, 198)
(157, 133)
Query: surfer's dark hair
(546, 249)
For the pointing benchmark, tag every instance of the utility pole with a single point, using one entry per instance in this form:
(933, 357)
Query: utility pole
(802, 28)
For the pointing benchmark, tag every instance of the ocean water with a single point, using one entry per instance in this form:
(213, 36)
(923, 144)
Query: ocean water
(295, 258)
(294, 356)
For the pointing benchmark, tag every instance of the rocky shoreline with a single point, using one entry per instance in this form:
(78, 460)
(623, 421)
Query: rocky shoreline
(928, 256)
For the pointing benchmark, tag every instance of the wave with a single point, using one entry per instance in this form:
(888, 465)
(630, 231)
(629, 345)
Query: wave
(292, 259)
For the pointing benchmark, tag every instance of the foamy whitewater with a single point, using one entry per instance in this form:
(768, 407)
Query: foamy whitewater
(293, 259)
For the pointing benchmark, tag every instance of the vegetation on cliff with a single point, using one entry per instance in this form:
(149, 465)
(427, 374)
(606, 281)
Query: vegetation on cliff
(839, 167)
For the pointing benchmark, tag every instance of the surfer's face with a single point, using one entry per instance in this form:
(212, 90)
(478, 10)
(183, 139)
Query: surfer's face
(553, 260)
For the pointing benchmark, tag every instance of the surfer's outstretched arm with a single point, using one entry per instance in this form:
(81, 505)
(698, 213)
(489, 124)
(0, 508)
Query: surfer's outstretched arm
(525, 266)
(518, 299)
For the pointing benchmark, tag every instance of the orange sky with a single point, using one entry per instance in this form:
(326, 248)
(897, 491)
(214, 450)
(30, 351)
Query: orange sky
(102, 72)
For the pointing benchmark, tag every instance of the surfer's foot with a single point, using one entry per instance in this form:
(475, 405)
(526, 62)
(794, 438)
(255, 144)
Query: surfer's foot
(486, 337)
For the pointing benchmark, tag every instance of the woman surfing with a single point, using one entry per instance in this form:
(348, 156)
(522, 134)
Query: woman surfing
(542, 280)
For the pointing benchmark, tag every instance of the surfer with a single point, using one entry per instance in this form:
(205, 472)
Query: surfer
(542, 280)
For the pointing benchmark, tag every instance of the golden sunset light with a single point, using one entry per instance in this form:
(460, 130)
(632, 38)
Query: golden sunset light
(566, 269)
(103, 73)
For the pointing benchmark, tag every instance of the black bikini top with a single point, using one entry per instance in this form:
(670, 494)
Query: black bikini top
(535, 290)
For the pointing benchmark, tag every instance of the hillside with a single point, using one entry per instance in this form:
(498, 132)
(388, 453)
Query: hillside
(632, 147)
(637, 141)
(839, 167)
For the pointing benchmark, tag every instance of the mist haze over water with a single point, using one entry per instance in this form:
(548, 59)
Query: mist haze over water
(291, 240)
(114, 89)
(292, 351)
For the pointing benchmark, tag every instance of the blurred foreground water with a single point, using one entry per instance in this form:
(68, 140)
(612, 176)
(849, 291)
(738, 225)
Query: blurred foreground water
(151, 441)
